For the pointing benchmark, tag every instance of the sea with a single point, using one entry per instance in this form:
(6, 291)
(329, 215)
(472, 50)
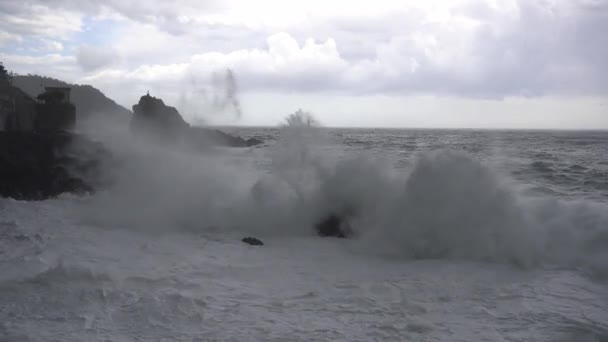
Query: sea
(458, 235)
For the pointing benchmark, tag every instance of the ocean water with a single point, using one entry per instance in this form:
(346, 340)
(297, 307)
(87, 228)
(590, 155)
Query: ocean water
(460, 235)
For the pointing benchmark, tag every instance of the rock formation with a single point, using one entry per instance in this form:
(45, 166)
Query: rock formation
(54, 111)
(252, 241)
(20, 113)
(39, 157)
(17, 109)
(90, 103)
(334, 226)
(153, 119)
(36, 166)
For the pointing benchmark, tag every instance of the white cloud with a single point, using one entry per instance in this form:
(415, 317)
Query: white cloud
(52, 45)
(52, 65)
(93, 58)
(22, 20)
(6, 37)
(468, 48)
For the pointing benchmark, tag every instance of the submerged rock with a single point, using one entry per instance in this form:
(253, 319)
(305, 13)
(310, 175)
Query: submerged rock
(37, 166)
(201, 137)
(253, 241)
(253, 142)
(334, 226)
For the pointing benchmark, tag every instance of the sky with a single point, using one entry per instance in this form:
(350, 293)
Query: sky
(383, 63)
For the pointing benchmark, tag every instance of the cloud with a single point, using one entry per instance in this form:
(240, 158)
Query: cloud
(93, 58)
(523, 49)
(469, 48)
(52, 45)
(52, 65)
(23, 19)
(283, 64)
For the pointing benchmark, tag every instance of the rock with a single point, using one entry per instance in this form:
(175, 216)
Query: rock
(334, 226)
(153, 119)
(21, 113)
(253, 241)
(253, 142)
(91, 104)
(201, 137)
(56, 113)
(37, 166)
(17, 109)
(22, 237)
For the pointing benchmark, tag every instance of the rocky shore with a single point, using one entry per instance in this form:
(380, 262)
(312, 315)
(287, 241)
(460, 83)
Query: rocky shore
(156, 121)
(41, 156)
(38, 166)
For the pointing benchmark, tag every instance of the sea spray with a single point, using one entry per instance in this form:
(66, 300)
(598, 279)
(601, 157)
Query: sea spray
(451, 206)
(444, 205)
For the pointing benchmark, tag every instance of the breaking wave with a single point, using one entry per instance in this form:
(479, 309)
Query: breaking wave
(447, 205)
(452, 206)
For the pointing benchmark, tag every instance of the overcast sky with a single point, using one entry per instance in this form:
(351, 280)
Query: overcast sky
(383, 63)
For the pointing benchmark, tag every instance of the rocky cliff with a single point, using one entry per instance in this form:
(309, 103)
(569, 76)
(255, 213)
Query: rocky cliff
(90, 103)
(155, 120)
(37, 166)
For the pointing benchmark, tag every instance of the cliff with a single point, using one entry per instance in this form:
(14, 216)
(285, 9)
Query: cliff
(90, 103)
(17, 109)
(37, 166)
(153, 119)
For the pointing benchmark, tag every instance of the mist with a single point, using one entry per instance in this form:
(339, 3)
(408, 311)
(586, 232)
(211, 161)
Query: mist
(443, 205)
(210, 98)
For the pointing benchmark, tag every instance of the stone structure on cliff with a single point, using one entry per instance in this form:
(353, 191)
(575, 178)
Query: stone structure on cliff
(52, 112)
(39, 157)
(37, 166)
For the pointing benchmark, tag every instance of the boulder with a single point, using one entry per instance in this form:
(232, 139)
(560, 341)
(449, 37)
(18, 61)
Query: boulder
(201, 137)
(253, 142)
(252, 241)
(334, 225)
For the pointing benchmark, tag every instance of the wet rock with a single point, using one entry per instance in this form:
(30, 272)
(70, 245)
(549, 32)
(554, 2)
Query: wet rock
(253, 142)
(253, 241)
(201, 137)
(334, 226)
(22, 237)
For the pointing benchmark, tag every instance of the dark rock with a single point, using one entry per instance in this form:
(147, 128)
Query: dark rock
(153, 119)
(21, 113)
(17, 109)
(334, 226)
(253, 241)
(90, 103)
(36, 166)
(201, 137)
(22, 237)
(55, 112)
(253, 142)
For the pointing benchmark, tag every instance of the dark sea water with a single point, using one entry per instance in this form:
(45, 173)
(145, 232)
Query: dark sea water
(461, 235)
